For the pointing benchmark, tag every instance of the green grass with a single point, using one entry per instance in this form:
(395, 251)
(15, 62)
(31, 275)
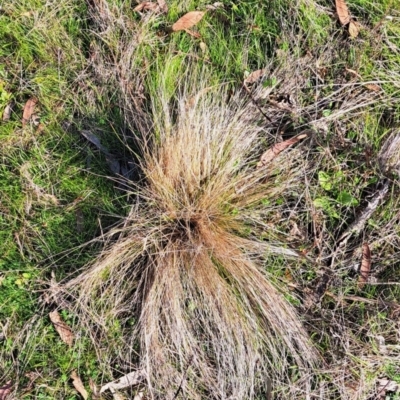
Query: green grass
(55, 191)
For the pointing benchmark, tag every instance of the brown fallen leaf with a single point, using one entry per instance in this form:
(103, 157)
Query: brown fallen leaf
(255, 76)
(5, 390)
(78, 385)
(365, 266)
(188, 20)
(277, 148)
(163, 6)
(342, 12)
(355, 73)
(147, 5)
(65, 332)
(29, 108)
(373, 87)
(354, 29)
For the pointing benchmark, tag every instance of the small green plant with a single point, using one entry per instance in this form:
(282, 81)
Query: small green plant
(334, 184)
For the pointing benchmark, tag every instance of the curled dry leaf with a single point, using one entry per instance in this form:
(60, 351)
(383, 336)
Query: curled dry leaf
(65, 332)
(342, 12)
(78, 385)
(255, 76)
(29, 108)
(188, 20)
(354, 29)
(5, 390)
(147, 5)
(131, 379)
(365, 265)
(277, 148)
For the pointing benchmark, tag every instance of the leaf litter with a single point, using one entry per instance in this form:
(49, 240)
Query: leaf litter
(147, 6)
(277, 148)
(5, 390)
(365, 266)
(131, 379)
(342, 12)
(65, 332)
(29, 109)
(188, 21)
(78, 385)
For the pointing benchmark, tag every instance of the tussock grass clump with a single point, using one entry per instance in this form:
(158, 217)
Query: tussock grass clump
(188, 261)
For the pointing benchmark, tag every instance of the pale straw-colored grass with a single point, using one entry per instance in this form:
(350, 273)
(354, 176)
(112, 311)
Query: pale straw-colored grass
(189, 264)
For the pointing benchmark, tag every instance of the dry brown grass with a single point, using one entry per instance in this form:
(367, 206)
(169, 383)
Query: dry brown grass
(189, 264)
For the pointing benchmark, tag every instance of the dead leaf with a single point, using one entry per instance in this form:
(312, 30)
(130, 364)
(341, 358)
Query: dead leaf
(29, 108)
(342, 12)
(386, 385)
(163, 6)
(277, 148)
(373, 87)
(7, 112)
(355, 73)
(365, 265)
(255, 76)
(78, 385)
(194, 34)
(354, 29)
(188, 20)
(65, 332)
(5, 390)
(147, 5)
(131, 379)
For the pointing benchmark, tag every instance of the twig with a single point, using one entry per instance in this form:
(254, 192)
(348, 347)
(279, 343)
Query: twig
(183, 379)
(256, 104)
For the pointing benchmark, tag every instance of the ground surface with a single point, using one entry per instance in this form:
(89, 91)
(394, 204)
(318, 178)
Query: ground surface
(91, 70)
